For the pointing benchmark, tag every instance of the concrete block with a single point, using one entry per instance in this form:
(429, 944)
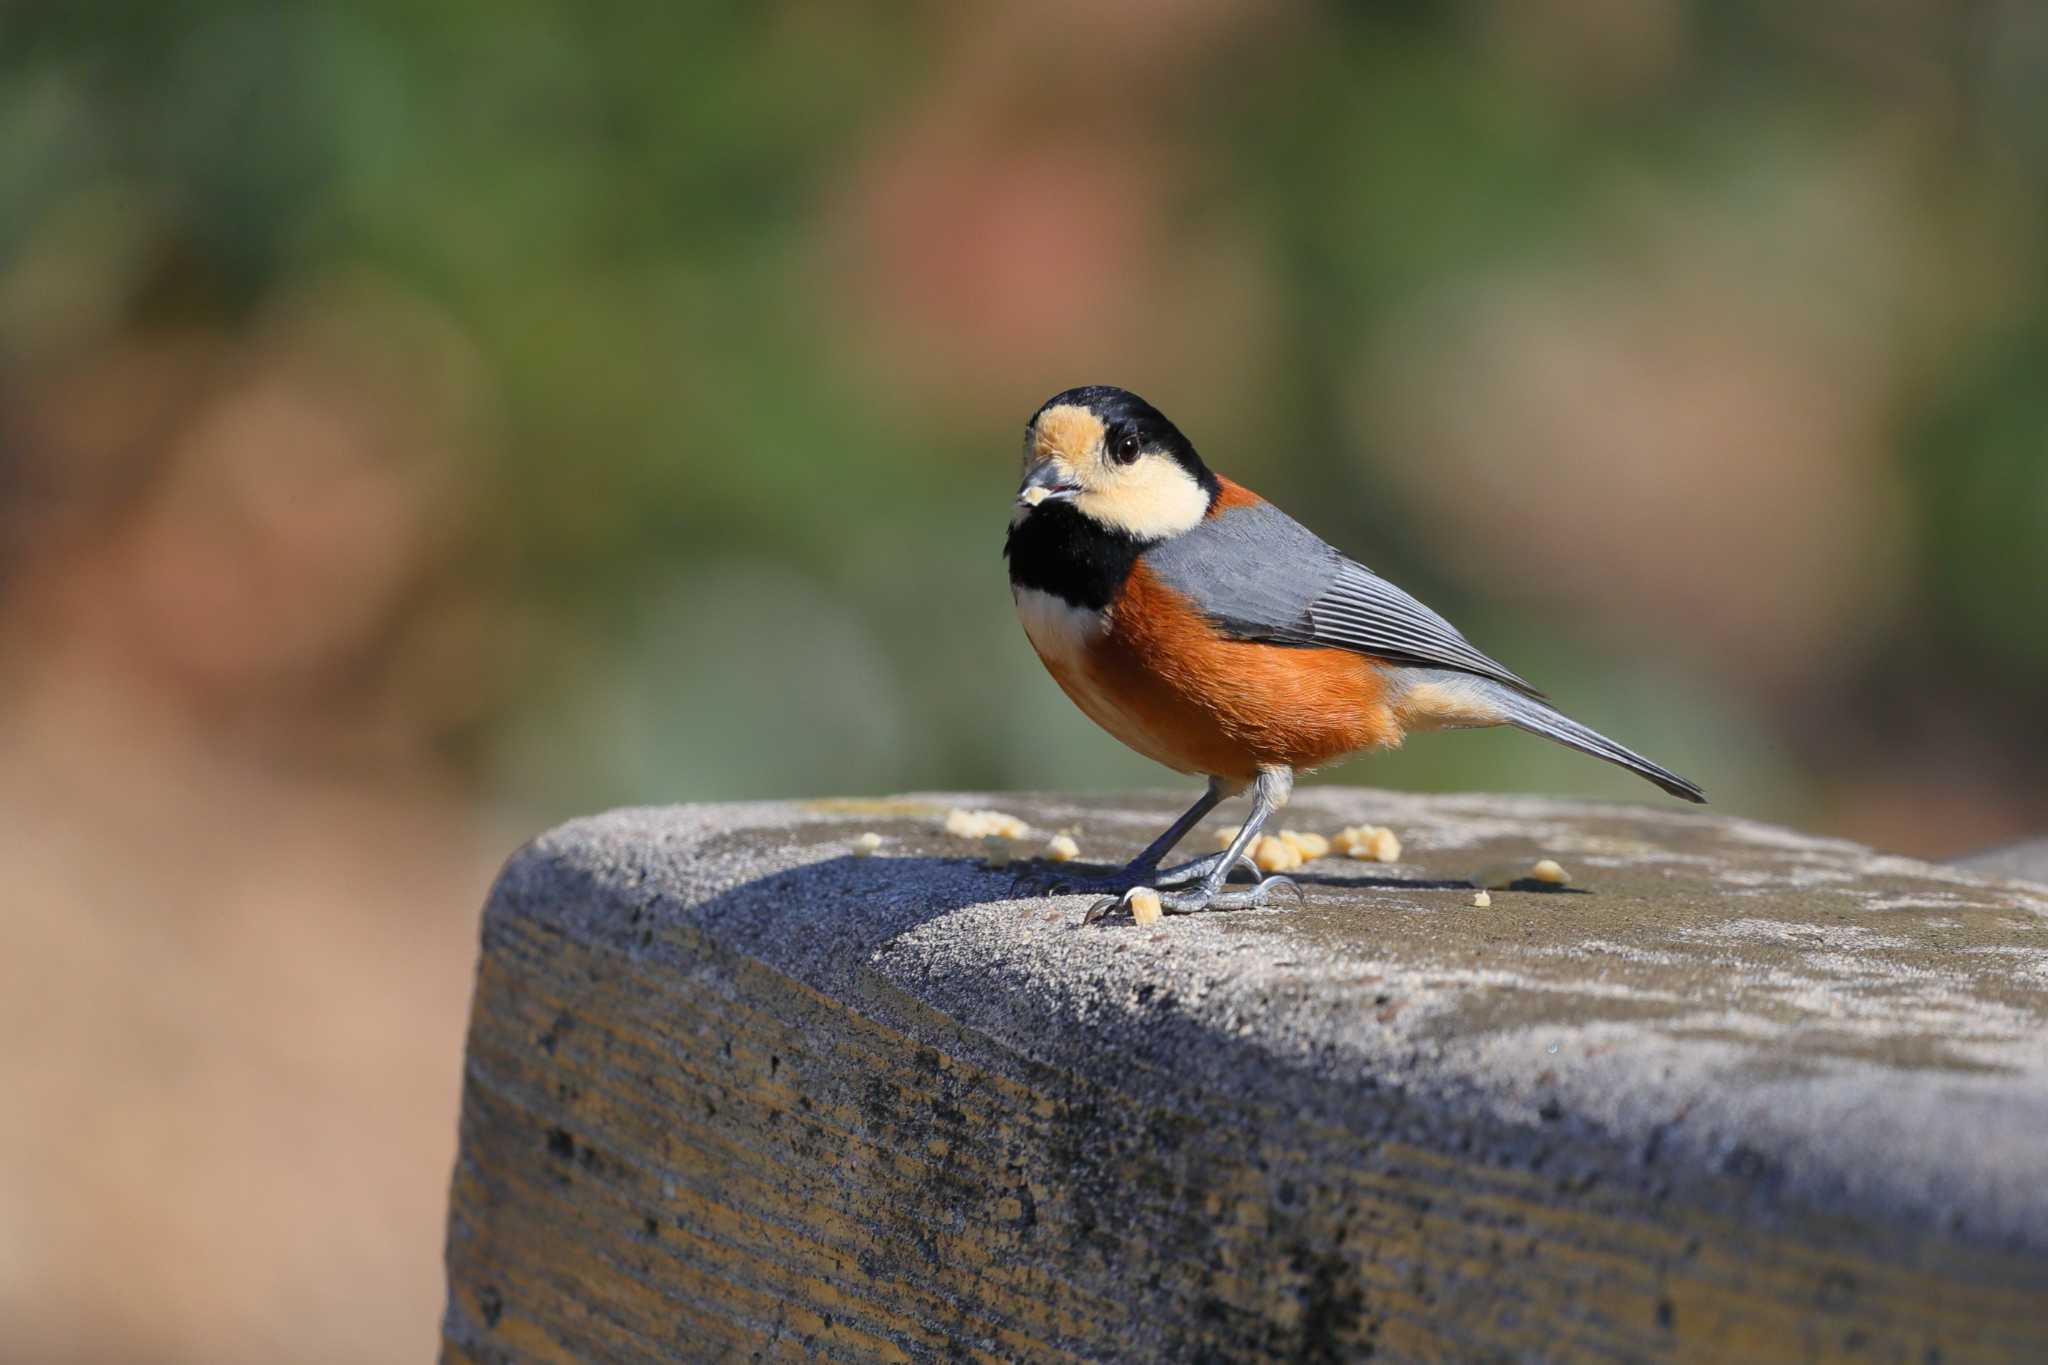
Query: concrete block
(735, 1091)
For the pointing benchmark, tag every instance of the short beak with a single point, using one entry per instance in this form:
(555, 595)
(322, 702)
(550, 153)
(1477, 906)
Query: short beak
(1045, 481)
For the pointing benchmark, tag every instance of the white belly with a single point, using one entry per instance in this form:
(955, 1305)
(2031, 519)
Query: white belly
(1062, 635)
(1058, 630)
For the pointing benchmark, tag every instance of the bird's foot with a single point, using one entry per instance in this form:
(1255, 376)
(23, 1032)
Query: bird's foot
(1201, 899)
(1042, 881)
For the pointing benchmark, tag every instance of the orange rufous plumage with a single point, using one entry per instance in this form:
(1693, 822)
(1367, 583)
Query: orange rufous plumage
(1165, 682)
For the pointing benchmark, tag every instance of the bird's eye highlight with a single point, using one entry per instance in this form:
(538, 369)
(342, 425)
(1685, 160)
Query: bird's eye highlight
(1125, 448)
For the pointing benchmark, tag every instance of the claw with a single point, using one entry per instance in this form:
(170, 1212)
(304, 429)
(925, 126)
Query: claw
(1102, 909)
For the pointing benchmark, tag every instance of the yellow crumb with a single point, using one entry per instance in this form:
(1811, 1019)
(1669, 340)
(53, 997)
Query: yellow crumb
(1481, 901)
(1274, 856)
(1549, 871)
(1145, 907)
(1309, 846)
(983, 824)
(866, 844)
(1370, 844)
(1033, 496)
(1061, 848)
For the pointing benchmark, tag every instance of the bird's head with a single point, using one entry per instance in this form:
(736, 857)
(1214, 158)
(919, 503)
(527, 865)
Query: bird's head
(1115, 459)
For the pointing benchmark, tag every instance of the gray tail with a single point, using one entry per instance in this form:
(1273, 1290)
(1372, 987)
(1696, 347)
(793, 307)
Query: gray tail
(1526, 713)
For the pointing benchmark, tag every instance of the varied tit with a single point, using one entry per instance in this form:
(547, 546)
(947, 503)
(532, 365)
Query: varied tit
(1213, 633)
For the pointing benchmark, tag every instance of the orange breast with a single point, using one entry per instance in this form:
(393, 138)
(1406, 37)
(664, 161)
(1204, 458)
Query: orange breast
(1162, 681)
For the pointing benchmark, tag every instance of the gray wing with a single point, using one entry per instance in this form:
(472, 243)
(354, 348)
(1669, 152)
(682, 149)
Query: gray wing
(1259, 574)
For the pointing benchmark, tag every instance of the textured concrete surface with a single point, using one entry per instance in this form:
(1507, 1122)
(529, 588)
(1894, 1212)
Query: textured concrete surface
(2027, 861)
(733, 1092)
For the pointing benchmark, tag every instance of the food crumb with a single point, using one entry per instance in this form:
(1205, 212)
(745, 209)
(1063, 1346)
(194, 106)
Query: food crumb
(1061, 848)
(1369, 843)
(1033, 496)
(995, 851)
(1145, 907)
(1309, 846)
(1274, 856)
(1549, 871)
(984, 824)
(1481, 901)
(866, 844)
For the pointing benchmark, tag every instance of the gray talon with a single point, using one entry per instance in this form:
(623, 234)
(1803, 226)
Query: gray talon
(1102, 909)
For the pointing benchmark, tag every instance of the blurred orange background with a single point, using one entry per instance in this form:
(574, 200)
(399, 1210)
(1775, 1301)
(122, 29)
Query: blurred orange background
(422, 422)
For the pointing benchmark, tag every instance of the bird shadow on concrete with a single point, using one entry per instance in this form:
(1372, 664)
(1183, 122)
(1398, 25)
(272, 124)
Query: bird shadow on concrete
(1051, 872)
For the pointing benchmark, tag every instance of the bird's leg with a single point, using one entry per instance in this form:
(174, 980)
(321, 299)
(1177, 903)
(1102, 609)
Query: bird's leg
(1145, 867)
(1269, 794)
(1156, 851)
(1145, 864)
(1229, 859)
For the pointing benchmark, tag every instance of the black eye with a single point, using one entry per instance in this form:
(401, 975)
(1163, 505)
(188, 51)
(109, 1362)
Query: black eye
(1125, 448)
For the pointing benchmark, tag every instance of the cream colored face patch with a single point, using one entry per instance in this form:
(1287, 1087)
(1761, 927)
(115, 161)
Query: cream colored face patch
(1152, 497)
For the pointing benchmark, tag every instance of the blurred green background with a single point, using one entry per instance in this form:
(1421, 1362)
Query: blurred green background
(419, 422)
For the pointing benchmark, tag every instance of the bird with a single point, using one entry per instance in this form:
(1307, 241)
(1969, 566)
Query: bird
(1213, 633)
